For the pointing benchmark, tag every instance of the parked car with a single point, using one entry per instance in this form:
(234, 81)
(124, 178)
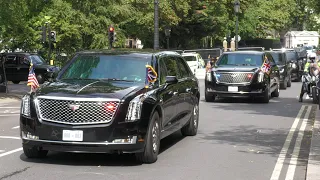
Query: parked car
(194, 61)
(239, 74)
(100, 103)
(17, 67)
(284, 68)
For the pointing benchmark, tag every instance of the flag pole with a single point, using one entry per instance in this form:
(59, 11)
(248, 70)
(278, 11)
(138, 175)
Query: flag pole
(31, 66)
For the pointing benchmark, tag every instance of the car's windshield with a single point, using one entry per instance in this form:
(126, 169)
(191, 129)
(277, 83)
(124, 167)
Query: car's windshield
(277, 57)
(291, 56)
(240, 60)
(190, 58)
(37, 59)
(104, 67)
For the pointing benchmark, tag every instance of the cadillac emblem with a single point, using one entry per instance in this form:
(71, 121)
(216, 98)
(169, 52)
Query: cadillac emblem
(74, 107)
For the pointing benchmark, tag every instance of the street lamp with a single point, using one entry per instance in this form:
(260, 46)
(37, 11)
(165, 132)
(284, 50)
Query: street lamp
(237, 10)
(167, 32)
(156, 25)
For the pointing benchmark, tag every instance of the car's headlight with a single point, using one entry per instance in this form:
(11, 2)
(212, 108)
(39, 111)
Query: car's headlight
(260, 77)
(25, 105)
(135, 107)
(208, 76)
(281, 70)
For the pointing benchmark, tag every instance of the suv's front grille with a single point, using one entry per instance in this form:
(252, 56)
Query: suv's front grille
(76, 111)
(235, 77)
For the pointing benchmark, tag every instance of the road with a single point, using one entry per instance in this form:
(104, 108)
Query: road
(237, 139)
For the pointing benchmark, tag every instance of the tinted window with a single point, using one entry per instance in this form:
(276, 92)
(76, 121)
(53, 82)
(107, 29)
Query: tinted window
(11, 60)
(163, 72)
(270, 59)
(291, 56)
(278, 58)
(107, 67)
(240, 60)
(37, 59)
(183, 69)
(172, 66)
(190, 58)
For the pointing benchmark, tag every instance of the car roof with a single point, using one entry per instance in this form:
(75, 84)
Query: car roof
(19, 53)
(278, 52)
(127, 52)
(245, 52)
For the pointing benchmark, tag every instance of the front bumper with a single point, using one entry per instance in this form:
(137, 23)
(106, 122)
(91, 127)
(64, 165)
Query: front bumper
(111, 138)
(244, 90)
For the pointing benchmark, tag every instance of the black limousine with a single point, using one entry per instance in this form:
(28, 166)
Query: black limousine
(240, 74)
(101, 102)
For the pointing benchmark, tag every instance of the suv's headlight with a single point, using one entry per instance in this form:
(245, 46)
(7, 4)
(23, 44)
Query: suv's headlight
(282, 70)
(135, 107)
(25, 105)
(260, 76)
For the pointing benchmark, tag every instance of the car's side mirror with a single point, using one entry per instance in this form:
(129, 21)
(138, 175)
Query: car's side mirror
(171, 79)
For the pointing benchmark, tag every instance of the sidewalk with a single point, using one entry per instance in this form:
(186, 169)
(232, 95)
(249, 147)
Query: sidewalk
(201, 73)
(313, 168)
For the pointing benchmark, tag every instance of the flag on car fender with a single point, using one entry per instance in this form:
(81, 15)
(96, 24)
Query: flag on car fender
(151, 75)
(32, 79)
(266, 66)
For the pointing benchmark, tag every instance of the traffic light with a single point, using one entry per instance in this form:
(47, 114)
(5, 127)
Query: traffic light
(111, 34)
(43, 34)
(53, 36)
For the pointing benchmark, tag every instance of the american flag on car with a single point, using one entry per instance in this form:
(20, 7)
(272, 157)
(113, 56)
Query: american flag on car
(32, 79)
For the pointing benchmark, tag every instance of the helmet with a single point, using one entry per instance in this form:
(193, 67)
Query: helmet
(312, 56)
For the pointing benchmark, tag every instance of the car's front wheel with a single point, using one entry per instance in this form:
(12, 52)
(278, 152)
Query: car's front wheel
(191, 128)
(16, 82)
(40, 79)
(151, 150)
(208, 97)
(35, 152)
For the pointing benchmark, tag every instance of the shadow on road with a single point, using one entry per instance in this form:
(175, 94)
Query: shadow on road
(87, 159)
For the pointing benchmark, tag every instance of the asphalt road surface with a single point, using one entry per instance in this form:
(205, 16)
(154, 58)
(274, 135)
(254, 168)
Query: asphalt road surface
(237, 139)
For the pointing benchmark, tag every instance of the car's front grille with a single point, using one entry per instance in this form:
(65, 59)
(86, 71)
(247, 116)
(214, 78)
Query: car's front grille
(235, 77)
(76, 112)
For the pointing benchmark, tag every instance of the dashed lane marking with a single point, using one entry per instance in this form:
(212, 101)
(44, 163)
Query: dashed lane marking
(278, 167)
(16, 127)
(294, 158)
(6, 115)
(10, 152)
(1, 151)
(9, 107)
(9, 137)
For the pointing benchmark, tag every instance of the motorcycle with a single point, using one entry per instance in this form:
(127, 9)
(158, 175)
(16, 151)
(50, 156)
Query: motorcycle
(311, 80)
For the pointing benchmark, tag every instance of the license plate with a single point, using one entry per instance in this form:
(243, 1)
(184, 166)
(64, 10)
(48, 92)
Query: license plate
(233, 88)
(68, 135)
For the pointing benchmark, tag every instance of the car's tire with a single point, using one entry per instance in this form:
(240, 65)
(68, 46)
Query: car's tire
(151, 150)
(15, 82)
(283, 85)
(209, 98)
(276, 92)
(314, 96)
(35, 152)
(266, 95)
(191, 128)
(289, 81)
(40, 79)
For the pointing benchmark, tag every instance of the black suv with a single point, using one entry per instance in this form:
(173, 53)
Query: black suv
(284, 68)
(101, 102)
(240, 74)
(17, 67)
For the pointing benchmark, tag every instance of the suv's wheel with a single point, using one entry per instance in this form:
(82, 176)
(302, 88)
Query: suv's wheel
(283, 85)
(289, 81)
(209, 98)
(40, 78)
(191, 128)
(16, 82)
(35, 152)
(151, 150)
(276, 92)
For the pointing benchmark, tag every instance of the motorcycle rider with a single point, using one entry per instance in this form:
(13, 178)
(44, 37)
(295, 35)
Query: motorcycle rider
(313, 61)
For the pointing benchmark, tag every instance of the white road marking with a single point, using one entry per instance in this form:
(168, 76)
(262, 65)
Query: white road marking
(9, 107)
(16, 127)
(1, 151)
(294, 158)
(10, 152)
(278, 167)
(9, 137)
(5, 115)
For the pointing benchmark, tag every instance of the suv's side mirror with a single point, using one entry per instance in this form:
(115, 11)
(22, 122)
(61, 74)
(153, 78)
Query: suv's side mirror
(171, 79)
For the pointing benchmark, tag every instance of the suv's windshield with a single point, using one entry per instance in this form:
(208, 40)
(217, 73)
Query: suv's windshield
(277, 57)
(291, 56)
(103, 67)
(240, 60)
(37, 59)
(190, 58)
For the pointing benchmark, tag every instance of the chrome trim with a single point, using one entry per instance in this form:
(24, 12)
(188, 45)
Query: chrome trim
(82, 143)
(236, 72)
(77, 98)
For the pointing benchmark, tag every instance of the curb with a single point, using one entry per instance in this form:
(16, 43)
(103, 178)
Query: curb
(11, 96)
(313, 166)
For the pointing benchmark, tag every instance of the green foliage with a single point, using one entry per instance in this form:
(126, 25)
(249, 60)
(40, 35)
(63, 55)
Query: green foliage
(83, 24)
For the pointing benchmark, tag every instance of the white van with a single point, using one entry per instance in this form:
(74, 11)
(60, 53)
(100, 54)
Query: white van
(194, 61)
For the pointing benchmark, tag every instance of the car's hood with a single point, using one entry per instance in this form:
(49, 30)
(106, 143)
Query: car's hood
(46, 66)
(89, 88)
(235, 69)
